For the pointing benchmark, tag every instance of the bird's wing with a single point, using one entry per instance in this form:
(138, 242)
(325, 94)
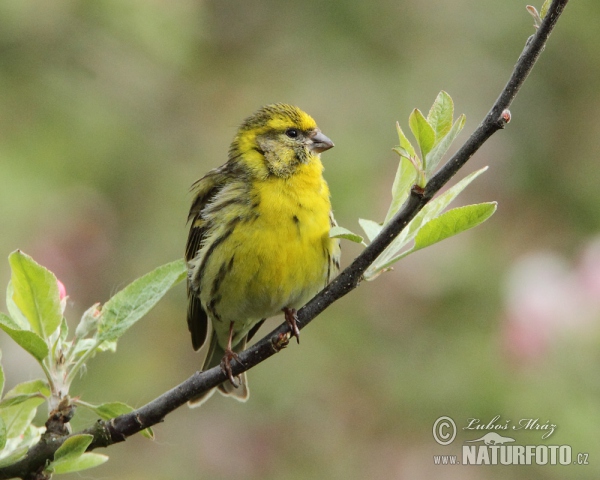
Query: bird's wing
(204, 190)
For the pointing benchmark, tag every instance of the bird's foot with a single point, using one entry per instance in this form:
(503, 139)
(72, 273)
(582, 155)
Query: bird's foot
(226, 365)
(282, 341)
(291, 318)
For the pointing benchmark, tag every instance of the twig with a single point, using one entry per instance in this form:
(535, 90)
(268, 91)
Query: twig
(118, 429)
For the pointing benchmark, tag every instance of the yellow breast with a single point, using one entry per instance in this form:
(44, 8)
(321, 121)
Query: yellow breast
(282, 256)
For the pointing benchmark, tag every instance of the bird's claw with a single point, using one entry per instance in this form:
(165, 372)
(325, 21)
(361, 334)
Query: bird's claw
(282, 341)
(291, 318)
(226, 365)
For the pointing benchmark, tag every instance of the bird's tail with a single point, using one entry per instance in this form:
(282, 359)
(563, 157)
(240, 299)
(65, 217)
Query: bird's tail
(213, 358)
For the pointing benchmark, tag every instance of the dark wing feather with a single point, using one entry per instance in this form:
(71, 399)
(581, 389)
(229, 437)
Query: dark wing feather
(204, 190)
(254, 329)
(197, 321)
(194, 239)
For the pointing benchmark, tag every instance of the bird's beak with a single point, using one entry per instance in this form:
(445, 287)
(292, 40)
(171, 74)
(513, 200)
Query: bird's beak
(319, 142)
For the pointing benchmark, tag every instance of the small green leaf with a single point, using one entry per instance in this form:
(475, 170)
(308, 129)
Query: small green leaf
(29, 341)
(442, 146)
(448, 224)
(14, 311)
(17, 447)
(13, 457)
(31, 393)
(85, 461)
(73, 447)
(422, 131)
(440, 115)
(370, 227)
(109, 410)
(545, 7)
(406, 177)
(402, 152)
(35, 293)
(405, 143)
(89, 321)
(31, 436)
(71, 455)
(84, 344)
(10, 401)
(136, 299)
(64, 330)
(430, 211)
(18, 417)
(453, 222)
(438, 204)
(341, 232)
(107, 347)
(1, 376)
(2, 434)
(31, 386)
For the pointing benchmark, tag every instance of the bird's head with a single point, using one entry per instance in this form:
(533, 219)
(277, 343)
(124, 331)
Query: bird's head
(277, 140)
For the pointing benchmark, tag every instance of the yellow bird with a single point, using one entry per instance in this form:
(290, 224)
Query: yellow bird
(259, 239)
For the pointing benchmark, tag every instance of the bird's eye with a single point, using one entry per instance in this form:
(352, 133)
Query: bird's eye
(292, 132)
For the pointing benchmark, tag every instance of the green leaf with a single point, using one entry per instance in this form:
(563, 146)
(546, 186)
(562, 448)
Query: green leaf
(35, 293)
(430, 211)
(83, 345)
(109, 410)
(107, 347)
(370, 227)
(136, 299)
(31, 436)
(453, 222)
(17, 418)
(71, 456)
(13, 457)
(2, 434)
(441, 147)
(31, 386)
(422, 131)
(440, 115)
(36, 390)
(29, 341)
(341, 232)
(438, 204)
(448, 224)
(17, 447)
(406, 177)
(434, 208)
(85, 461)
(89, 321)
(14, 311)
(405, 142)
(1, 376)
(9, 401)
(73, 447)
(64, 330)
(545, 7)
(402, 152)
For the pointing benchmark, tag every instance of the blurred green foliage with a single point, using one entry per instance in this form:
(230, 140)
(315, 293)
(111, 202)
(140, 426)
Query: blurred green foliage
(109, 111)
